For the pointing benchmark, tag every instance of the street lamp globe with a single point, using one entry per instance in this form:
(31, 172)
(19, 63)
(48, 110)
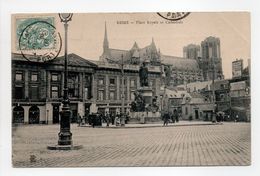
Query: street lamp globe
(65, 17)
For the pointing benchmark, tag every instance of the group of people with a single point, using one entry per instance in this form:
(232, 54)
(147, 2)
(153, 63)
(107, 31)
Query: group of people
(81, 120)
(99, 118)
(169, 117)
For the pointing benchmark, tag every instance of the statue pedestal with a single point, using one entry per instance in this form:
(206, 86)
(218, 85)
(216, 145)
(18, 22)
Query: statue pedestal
(147, 93)
(145, 116)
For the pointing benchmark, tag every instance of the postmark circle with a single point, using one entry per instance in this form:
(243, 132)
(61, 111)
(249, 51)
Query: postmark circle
(173, 16)
(40, 42)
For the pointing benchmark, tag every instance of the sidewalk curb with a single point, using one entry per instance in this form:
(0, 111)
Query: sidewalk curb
(156, 126)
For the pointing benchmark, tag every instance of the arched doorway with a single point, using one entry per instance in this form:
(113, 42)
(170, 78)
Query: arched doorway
(34, 115)
(18, 114)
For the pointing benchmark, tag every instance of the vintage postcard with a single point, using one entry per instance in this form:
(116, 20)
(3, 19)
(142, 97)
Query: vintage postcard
(131, 89)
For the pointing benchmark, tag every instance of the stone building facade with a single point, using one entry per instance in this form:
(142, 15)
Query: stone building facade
(37, 88)
(93, 86)
(108, 82)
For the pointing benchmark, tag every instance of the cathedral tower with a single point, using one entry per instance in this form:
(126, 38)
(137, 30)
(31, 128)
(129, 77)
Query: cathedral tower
(211, 58)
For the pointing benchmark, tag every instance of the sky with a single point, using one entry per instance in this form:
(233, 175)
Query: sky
(86, 33)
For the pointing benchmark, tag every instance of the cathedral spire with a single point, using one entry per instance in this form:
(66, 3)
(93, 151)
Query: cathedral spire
(153, 47)
(105, 43)
(106, 52)
(135, 46)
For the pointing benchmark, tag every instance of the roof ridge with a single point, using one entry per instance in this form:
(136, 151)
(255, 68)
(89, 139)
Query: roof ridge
(119, 49)
(176, 57)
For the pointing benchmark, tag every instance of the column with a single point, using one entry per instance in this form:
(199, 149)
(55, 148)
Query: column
(26, 84)
(94, 88)
(48, 91)
(106, 87)
(80, 86)
(43, 87)
(49, 112)
(118, 97)
(83, 86)
(42, 114)
(26, 114)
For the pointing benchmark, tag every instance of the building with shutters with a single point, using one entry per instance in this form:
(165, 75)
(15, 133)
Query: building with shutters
(37, 88)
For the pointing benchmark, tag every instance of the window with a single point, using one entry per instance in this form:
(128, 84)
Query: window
(86, 92)
(124, 81)
(19, 76)
(186, 110)
(101, 95)
(112, 95)
(125, 93)
(19, 92)
(112, 81)
(73, 85)
(222, 86)
(34, 92)
(222, 97)
(34, 76)
(132, 83)
(101, 81)
(54, 77)
(88, 86)
(54, 92)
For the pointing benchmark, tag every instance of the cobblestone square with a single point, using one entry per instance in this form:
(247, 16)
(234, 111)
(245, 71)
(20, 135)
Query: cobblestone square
(196, 145)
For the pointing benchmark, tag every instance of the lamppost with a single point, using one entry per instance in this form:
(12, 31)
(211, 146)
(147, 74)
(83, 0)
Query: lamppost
(65, 136)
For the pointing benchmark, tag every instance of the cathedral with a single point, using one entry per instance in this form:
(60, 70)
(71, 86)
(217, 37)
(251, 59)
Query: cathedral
(134, 56)
(174, 70)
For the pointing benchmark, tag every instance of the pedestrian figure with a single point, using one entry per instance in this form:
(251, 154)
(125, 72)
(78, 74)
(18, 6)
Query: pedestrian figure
(166, 118)
(107, 119)
(217, 117)
(112, 118)
(100, 118)
(142, 119)
(127, 118)
(220, 118)
(236, 119)
(173, 118)
(175, 115)
(117, 119)
(178, 117)
(82, 120)
(93, 120)
(79, 119)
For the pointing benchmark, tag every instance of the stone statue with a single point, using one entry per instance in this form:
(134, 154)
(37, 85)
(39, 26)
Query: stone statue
(138, 105)
(143, 75)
